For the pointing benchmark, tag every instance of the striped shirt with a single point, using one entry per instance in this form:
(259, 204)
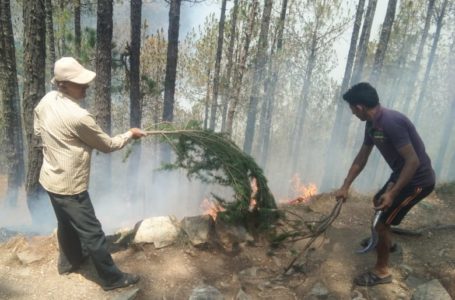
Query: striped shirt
(68, 134)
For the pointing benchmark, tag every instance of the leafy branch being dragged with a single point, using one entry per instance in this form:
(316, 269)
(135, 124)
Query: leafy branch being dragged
(213, 158)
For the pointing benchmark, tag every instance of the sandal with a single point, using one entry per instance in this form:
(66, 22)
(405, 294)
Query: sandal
(370, 279)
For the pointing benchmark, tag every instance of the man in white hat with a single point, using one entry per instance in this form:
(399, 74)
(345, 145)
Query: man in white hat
(69, 133)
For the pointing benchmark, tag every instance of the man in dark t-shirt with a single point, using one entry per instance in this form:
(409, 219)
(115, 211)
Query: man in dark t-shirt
(412, 177)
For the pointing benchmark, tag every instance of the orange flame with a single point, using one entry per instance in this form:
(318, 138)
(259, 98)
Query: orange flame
(254, 190)
(211, 208)
(303, 192)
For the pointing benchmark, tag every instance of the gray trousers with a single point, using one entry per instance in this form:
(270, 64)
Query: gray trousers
(80, 234)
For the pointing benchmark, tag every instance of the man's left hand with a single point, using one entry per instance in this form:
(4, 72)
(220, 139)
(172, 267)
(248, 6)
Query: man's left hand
(385, 201)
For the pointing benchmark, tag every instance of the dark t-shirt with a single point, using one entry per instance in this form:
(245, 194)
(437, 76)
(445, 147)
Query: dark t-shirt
(389, 131)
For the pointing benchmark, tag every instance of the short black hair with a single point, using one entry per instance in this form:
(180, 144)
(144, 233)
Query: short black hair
(362, 93)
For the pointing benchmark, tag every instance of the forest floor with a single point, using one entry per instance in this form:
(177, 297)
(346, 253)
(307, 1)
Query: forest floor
(254, 270)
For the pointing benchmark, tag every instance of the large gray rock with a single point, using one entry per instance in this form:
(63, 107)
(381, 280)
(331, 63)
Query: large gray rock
(161, 231)
(206, 292)
(432, 290)
(198, 229)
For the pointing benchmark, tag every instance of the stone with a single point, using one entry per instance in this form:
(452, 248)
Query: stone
(319, 290)
(206, 292)
(432, 290)
(161, 231)
(198, 229)
(241, 295)
(127, 295)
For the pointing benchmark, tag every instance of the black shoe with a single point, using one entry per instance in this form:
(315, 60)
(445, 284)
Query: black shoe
(124, 281)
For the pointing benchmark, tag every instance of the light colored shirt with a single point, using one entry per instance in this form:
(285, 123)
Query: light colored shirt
(69, 134)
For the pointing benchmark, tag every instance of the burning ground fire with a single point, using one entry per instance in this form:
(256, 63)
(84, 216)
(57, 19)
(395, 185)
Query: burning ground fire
(303, 192)
(212, 208)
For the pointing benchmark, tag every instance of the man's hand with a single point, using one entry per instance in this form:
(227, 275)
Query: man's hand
(341, 194)
(385, 201)
(137, 133)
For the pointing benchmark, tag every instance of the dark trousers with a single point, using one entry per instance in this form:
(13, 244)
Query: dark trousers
(79, 234)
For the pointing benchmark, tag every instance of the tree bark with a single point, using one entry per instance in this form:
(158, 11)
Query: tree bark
(10, 106)
(228, 80)
(171, 62)
(77, 28)
(266, 121)
(342, 113)
(416, 66)
(62, 42)
(258, 77)
(362, 48)
(103, 64)
(34, 17)
(135, 55)
(50, 37)
(434, 46)
(216, 76)
(237, 85)
(383, 42)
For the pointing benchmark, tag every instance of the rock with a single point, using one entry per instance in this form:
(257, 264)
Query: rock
(206, 292)
(127, 295)
(29, 256)
(161, 231)
(432, 290)
(231, 235)
(241, 295)
(198, 229)
(413, 282)
(319, 291)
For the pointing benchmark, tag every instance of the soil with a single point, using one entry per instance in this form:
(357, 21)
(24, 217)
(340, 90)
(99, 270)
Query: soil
(254, 269)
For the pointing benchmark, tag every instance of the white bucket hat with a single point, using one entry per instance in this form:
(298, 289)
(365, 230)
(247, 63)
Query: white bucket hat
(68, 69)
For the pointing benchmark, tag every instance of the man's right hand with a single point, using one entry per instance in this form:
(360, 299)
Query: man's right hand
(137, 133)
(341, 194)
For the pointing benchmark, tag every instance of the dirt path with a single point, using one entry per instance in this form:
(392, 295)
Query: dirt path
(174, 272)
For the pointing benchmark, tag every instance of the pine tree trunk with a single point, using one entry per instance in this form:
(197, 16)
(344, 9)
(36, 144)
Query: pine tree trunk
(216, 76)
(258, 77)
(266, 121)
(77, 28)
(341, 124)
(102, 163)
(171, 63)
(34, 75)
(416, 66)
(362, 48)
(448, 128)
(103, 64)
(50, 37)
(434, 46)
(62, 42)
(135, 55)
(10, 106)
(383, 42)
(237, 85)
(207, 98)
(228, 80)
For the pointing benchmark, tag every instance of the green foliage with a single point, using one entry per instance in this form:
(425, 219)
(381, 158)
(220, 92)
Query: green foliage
(213, 158)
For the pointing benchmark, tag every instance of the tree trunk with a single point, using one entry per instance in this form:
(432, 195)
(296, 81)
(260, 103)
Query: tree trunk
(228, 81)
(341, 124)
(77, 28)
(207, 98)
(34, 17)
(416, 66)
(449, 122)
(103, 64)
(266, 121)
(237, 85)
(434, 46)
(62, 42)
(295, 141)
(102, 163)
(10, 106)
(362, 48)
(383, 42)
(258, 76)
(171, 62)
(135, 55)
(50, 37)
(216, 76)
